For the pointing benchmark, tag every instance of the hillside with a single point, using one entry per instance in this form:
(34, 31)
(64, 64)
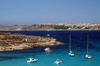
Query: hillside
(11, 42)
(50, 27)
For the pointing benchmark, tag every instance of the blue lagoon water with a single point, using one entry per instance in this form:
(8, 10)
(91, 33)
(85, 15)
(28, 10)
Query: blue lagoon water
(78, 39)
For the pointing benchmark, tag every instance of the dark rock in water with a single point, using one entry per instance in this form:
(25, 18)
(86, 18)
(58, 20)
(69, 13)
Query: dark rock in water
(81, 49)
(80, 54)
(83, 60)
(11, 42)
(3, 58)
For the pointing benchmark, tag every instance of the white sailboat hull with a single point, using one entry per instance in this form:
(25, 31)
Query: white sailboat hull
(88, 56)
(71, 54)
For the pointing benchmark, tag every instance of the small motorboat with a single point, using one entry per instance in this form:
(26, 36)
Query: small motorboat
(58, 61)
(48, 49)
(71, 54)
(30, 60)
(48, 34)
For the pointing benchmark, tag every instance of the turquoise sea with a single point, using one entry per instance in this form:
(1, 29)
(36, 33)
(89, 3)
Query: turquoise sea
(79, 40)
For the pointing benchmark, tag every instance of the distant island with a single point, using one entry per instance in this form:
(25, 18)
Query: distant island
(12, 42)
(62, 26)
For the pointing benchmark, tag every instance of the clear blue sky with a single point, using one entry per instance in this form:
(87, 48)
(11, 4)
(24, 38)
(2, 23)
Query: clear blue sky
(26, 12)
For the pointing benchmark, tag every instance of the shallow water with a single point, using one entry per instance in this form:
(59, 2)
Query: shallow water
(19, 58)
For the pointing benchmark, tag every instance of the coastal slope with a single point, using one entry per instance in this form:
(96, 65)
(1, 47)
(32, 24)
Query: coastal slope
(12, 42)
(62, 26)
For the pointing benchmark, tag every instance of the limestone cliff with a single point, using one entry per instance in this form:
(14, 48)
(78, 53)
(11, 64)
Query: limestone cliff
(11, 42)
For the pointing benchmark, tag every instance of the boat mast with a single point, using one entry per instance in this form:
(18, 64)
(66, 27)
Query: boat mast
(87, 43)
(70, 42)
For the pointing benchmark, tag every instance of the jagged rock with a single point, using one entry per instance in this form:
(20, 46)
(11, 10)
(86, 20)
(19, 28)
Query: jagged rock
(11, 42)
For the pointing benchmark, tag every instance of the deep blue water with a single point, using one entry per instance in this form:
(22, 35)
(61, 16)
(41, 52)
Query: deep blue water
(78, 40)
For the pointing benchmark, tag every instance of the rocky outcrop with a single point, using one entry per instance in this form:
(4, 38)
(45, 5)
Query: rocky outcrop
(11, 42)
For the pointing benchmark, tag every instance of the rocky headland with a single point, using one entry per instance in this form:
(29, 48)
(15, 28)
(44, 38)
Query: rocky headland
(12, 42)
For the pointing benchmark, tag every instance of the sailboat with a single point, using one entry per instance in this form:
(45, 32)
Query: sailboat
(87, 55)
(70, 53)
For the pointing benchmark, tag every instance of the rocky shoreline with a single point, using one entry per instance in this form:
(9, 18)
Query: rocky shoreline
(12, 42)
